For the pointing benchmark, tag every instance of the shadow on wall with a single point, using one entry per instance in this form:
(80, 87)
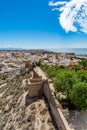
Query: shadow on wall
(29, 100)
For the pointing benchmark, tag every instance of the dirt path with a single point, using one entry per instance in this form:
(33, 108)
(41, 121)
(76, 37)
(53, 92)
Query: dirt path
(78, 119)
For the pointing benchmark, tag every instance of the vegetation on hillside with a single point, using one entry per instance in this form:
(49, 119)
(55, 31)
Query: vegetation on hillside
(71, 83)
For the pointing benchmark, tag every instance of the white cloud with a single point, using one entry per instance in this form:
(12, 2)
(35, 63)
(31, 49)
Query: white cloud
(55, 9)
(51, 3)
(73, 15)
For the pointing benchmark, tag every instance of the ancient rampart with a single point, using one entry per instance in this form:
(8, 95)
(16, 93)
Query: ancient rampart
(40, 85)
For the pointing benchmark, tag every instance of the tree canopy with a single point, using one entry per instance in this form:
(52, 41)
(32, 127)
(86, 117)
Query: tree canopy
(71, 83)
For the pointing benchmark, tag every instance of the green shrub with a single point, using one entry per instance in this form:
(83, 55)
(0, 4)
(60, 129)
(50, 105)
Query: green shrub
(79, 95)
(81, 76)
(71, 83)
(61, 67)
(64, 82)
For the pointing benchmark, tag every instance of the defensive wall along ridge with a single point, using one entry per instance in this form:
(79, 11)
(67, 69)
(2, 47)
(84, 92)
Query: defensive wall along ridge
(39, 85)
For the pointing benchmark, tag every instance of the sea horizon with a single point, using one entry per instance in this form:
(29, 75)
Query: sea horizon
(77, 51)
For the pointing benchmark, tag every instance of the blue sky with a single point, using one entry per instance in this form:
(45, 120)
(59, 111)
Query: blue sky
(33, 24)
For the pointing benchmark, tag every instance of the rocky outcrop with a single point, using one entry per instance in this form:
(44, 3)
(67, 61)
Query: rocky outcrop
(15, 114)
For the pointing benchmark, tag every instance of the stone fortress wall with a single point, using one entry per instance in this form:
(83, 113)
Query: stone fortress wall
(39, 85)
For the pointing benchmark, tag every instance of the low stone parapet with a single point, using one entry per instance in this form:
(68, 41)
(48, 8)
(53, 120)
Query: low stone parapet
(34, 80)
(56, 108)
